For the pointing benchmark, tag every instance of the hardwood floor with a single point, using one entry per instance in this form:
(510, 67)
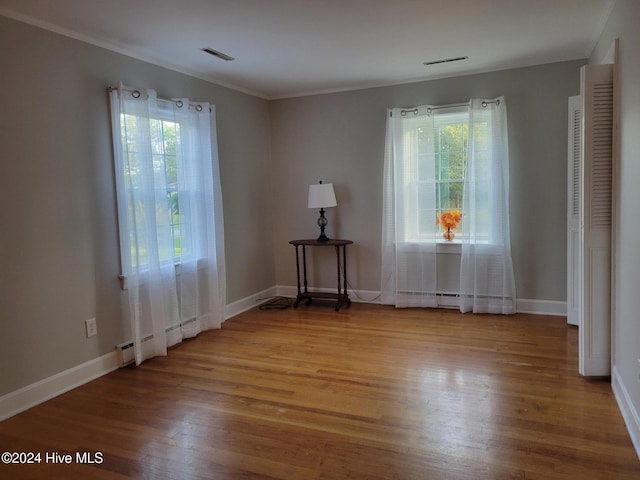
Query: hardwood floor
(368, 392)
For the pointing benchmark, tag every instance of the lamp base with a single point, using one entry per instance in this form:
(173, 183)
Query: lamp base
(322, 222)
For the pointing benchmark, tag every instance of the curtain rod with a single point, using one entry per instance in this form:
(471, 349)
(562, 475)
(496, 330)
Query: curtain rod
(403, 112)
(179, 103)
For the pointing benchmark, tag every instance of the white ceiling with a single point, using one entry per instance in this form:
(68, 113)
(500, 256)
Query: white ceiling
(286, 48)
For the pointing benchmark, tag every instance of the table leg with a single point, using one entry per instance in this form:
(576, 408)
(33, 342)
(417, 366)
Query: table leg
(304, 267)
(344, 260)
(337, 247)
(297, 277)
(344, 270)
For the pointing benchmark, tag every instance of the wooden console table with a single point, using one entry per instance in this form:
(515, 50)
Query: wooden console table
(341, 297)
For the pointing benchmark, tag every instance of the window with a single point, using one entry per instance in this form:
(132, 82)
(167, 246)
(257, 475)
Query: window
(163, 167)
(431, 165)
(165, 136)
(169, 215)
(442, 162)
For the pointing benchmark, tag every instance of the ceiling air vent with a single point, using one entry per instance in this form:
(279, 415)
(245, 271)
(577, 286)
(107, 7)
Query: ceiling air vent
(218, 54)
(446, 60)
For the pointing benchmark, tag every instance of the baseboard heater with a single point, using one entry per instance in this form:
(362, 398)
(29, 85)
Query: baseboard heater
(449, 299)
(125, 353)
(444, 299)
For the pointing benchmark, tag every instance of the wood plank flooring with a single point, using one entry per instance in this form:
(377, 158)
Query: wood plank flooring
(370, 392)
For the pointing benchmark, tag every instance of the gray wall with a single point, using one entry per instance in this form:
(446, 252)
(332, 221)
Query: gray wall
(623, 24)
(58, 231)
(339, 138)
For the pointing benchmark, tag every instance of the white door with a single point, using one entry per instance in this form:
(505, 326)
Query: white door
(594, 306)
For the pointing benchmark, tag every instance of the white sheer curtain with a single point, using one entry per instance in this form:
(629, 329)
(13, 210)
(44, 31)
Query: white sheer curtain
(409, 267)
(486, 272)
(170, 217)
(417, 184)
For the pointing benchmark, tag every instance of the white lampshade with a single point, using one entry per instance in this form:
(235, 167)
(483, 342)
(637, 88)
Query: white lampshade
(322, 196)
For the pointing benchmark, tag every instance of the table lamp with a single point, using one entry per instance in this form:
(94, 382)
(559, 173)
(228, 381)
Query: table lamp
(322, 196)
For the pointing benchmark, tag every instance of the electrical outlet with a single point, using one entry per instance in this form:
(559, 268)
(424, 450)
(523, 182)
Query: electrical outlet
(91, 327)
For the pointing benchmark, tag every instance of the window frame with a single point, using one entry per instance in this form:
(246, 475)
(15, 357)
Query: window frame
(453, 116)
(449, 116)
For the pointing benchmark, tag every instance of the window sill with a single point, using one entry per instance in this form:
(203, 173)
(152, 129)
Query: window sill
(441, 246)
(452, 247)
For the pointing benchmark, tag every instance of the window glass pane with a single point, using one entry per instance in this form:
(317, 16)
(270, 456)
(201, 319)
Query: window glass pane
(426, 222)
(425, 167)
(172, 226)
(165, 249)
(170, 130)
(158, 168)
(424, 154)
(137, 217)
(157, 143)
(426, 214)
(451, 138)
(449, 195)
(174, 212)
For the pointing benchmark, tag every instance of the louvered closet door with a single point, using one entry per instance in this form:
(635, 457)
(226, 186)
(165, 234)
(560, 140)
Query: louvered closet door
(573, 210)
(595, 220)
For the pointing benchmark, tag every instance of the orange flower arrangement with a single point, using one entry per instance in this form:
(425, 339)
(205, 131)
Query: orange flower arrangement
(449, 219)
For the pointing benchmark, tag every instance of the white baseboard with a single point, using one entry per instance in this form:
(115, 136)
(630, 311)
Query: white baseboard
(247, 303)
(629, 413)
(541, 307)
(20, 400)
(538, 307)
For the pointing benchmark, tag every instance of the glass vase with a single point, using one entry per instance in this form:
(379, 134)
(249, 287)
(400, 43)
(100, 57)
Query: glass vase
(448, 235)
